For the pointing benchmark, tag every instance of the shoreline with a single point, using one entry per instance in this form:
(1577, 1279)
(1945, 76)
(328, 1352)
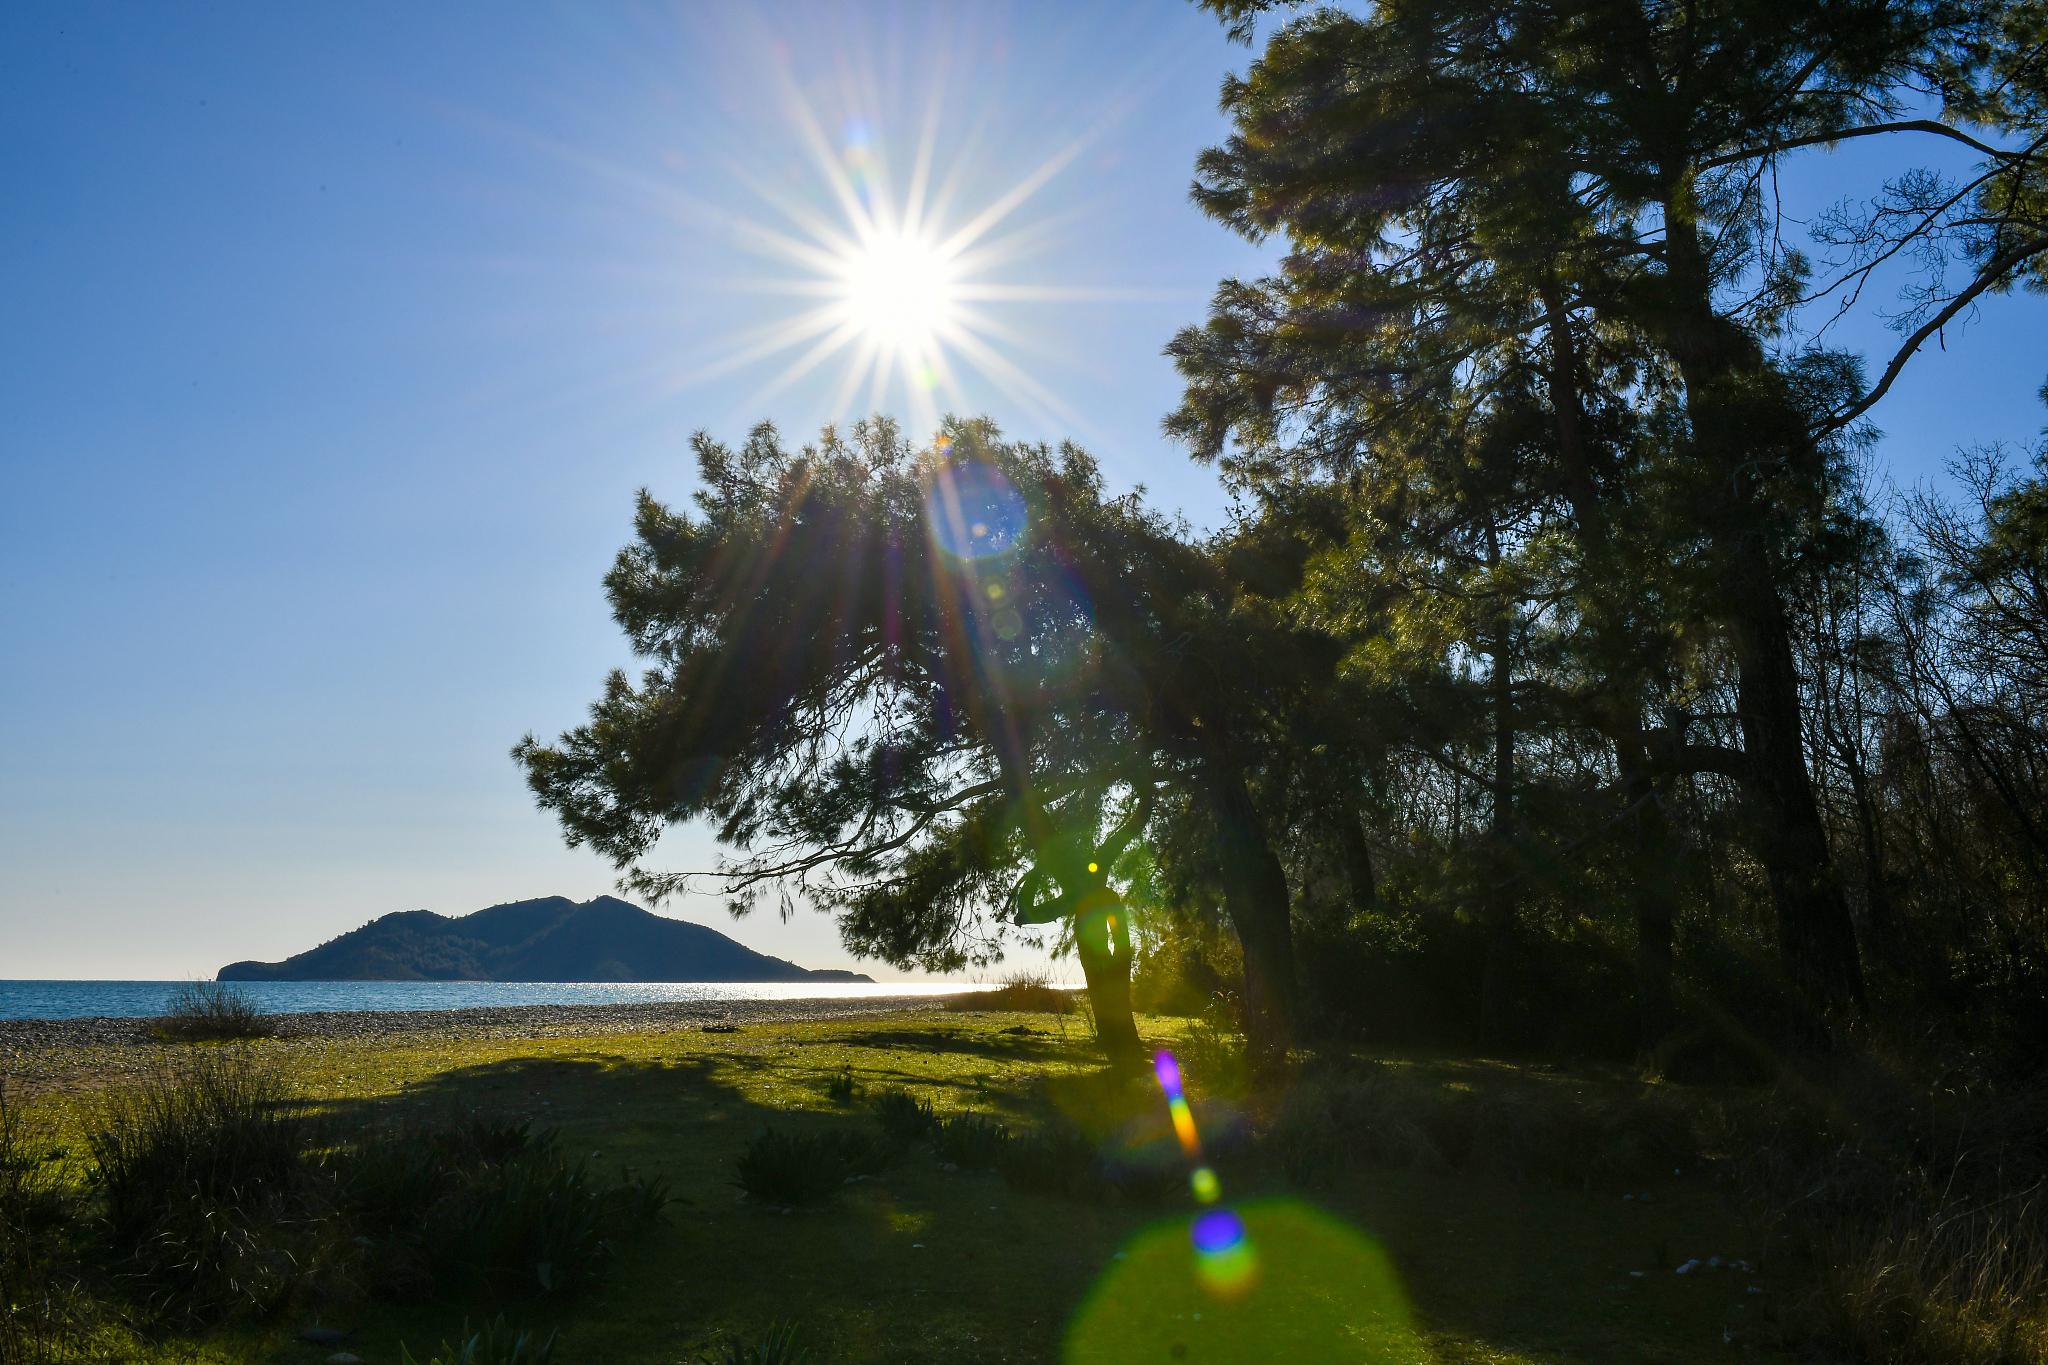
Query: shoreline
(40, 1054)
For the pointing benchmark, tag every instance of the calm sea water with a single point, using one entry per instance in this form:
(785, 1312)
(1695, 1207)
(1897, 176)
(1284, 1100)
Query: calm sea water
(144, 999)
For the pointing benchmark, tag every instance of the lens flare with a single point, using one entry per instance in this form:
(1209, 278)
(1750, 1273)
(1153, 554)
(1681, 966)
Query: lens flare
(973, 511)
(1225, 1264)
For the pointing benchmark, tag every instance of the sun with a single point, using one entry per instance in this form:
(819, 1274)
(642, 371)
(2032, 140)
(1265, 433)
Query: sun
(898, 288)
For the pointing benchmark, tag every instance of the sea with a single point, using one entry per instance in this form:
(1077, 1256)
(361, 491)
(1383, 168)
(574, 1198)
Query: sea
(147, 999)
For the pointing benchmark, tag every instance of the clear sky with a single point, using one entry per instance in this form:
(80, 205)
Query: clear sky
(335, 340)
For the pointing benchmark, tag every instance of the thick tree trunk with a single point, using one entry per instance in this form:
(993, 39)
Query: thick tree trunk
(1654, 857)
(1815, 933)
(1255, 898)
(1102, 938)
(1744, 424)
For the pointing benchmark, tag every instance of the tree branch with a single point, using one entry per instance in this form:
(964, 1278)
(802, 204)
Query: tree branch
(1911, 125)
(1993, 274)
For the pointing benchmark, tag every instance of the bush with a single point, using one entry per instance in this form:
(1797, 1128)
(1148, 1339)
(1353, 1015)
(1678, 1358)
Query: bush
(970, 1141)
(1026, 992)
(904, 1117)
(214, 1011)
(496, 1344)
(203, 1179)
(791, 1168)
(222, 1195)
(843, 1089)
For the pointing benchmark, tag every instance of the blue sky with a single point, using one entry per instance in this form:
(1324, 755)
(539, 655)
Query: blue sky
(334, 342)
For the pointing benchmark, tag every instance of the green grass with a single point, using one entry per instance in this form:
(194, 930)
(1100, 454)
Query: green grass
(916, 1263)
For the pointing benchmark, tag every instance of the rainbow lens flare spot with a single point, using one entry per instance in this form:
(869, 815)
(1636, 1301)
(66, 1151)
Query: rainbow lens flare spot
(1224, 1262)
(1168, 1071)
(973, 511)
(1208, 1189)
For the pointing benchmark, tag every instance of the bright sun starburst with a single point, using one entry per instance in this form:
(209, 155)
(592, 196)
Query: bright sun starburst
(907, 282)
(898, 289)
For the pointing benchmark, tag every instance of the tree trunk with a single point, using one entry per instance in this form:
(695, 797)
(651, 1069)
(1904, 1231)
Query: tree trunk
(1654, 859)
(1815, 933)
(1102, 939)
(1743, 423)
(1255, 899)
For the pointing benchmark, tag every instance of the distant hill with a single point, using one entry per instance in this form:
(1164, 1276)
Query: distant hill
(551, 939)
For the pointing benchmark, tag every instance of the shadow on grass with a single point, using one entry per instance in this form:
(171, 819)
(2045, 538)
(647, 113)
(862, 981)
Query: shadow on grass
(925, 1265)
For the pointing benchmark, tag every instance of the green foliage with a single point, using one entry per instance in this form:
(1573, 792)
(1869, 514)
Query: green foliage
(842, 1089)
(972, 1142)
(214, 1011)
(495, 1344)
(203, 1178)
(780, 1167)
(905, 1118)
(222, 1195)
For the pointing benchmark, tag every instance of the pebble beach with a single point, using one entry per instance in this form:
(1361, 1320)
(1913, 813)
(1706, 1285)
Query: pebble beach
(65, 1054)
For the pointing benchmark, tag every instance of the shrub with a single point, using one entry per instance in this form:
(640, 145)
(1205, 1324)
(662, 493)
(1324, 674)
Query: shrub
(970, 1141)
(791, 1168)
(777, 1347)
(904, 1117)
(205, 1199)
(843, 1089)
(210, 1011)
(496, 1344)
(1028, 992)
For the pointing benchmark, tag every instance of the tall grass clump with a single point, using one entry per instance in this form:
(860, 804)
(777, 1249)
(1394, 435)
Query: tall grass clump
(201, 1172)
(1935, 1284)
(788, 1168)
(1913, 1223)
(904, 1117)
(972, 1142)
(1024, 992)
(221, 1195)
(213, 1011)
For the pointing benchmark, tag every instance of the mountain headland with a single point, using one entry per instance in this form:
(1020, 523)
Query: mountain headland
(550, 939)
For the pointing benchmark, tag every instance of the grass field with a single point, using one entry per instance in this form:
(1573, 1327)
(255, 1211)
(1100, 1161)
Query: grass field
(922, 1263)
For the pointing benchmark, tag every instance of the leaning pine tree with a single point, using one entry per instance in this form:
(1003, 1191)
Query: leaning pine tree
(935, 693)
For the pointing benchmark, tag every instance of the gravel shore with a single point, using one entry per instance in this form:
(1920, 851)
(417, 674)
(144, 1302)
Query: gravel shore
(41, 1054)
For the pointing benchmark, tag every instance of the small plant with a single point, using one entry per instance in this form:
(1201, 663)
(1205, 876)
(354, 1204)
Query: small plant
(843, 1089)
(213, 1011)
(791, 1168)
(496, 1344)
(777, 1347)
(904, 1117)
(970, 1141)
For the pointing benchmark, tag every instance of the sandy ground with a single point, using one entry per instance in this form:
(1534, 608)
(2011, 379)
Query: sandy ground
(64, 1054)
